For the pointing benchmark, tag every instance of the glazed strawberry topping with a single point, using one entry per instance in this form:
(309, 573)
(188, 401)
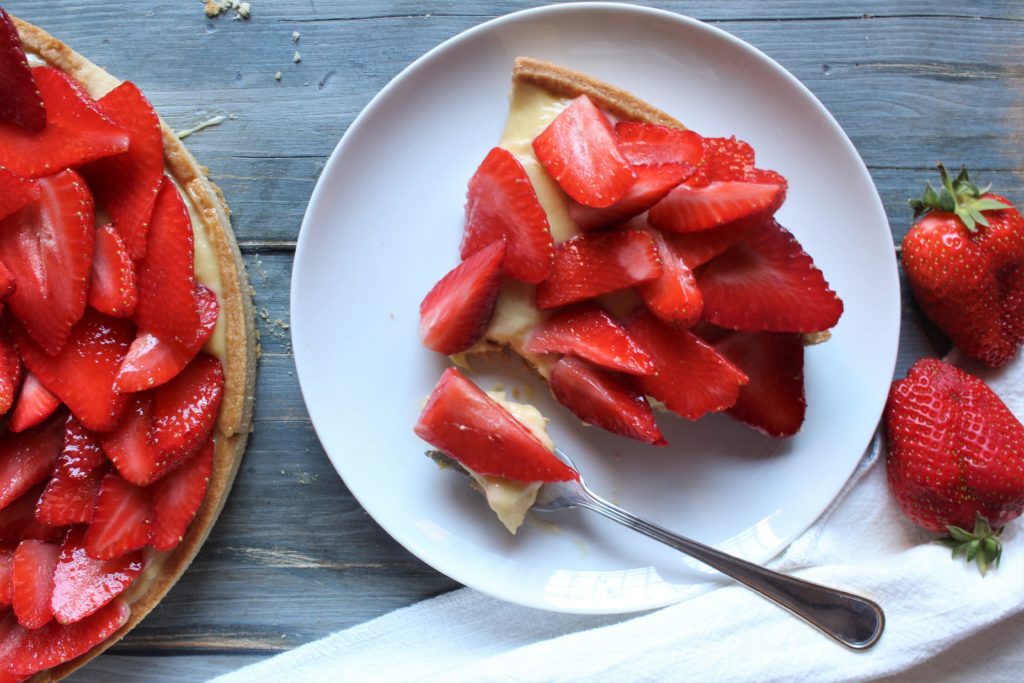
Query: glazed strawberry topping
(186, 408)
(455, 313)
(82, 585)
(18, 520)
(35, 404)
(673, 296)
(126, 184)
(76, 130)
(112, 288)
(69, 500)
(653, 182)
(585, 330)
(15, 192)
(177, 497)
(32, 582)
(20, 102)
(650, 144)
(27, 459)
(10, 372)
(767, 282)
(480, 433)
(593, 264)
(121, 519)
(82, 451)
(604, 399)
(129, 445)
(501, 204)
(6, 568)
(688, 209)
(48, 247)
(580, 151)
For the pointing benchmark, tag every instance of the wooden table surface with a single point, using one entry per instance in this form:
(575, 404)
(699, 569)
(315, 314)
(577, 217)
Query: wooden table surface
(294, 557)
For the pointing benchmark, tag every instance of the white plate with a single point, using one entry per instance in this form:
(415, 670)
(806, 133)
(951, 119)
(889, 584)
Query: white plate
(384, 224)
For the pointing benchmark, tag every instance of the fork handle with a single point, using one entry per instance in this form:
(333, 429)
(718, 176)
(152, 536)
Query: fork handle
(851, 620)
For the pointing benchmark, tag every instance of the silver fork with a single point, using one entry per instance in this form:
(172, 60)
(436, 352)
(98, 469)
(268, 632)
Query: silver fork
(849, 619)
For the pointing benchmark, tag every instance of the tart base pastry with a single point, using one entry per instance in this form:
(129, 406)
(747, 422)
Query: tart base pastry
(238, 353)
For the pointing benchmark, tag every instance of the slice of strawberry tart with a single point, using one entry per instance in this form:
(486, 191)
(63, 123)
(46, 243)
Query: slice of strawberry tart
(127, 356)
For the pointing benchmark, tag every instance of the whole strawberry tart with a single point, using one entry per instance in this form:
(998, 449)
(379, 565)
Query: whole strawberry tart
(127, 356)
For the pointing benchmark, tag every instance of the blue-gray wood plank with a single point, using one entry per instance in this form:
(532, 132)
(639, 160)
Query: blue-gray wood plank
(911, 82)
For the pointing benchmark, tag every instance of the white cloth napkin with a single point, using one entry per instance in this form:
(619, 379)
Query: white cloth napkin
(944, 621)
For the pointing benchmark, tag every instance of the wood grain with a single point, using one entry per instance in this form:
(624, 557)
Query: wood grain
(294, 556)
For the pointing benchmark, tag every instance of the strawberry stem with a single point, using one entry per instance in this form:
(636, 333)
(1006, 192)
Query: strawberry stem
(959, 196)
(981, 546)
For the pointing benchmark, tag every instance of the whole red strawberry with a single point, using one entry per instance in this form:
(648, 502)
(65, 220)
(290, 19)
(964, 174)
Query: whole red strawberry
(965, 263)
(956, 457)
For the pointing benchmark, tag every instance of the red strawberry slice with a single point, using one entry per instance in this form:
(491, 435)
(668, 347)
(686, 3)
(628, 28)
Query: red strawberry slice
(651, 186)
(18, 520)
(11, 636)
(153, 360)
(692, 379)
(15, 192)
(27, 459)
(185, 409)
(82, 451)
(82, 374)
(673, 296)
(32, 582)
(121, 521)
(112, 289)
(688, 209)
(7, 284)
(10, 372)
(454, 315)
(476, 430)
(6, 568)
(768, 283)
(75, 133)
(20, 101)
(724, 159)
(773, 401)
(177, 497)
(501, 204)
(130, 448)
(68, 500)
(126, 184)
(650, 144)
(697, 248)
(48, 247)
(600, 398)
(166, 277)
(580, 151)
(82, 585)
(593, 264)
(35, 404)
(585, 330)
(57, 643)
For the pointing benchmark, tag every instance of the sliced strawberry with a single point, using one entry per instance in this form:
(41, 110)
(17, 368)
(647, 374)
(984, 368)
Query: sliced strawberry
(153, 360)
(476, 430)
(585, 330)
(32, 582)
(75, 133)
(11, 636)
(15, 192)
(166, 277)
(82, 451)
(112, 289)
(126, 185)
(82, 585)
(185, 409)
(129, 446)
(82, 374)
(501, 204)
(57, 643)
(579, 150)
(454, 315)
(673, 296)
(18, 520)
(724, 159)
(600, 398)
(652, 184)
(10, 372)
(20, 101)
(773, 401)
(177, 497)
(121, 521)
(35, 404)
(6, 567)
(688, 209)
(697, 248)
(27, 459)
(68, 500)
(649, 144)
(768, 283)
(593, 264)
(48, 247)
(692, 379)
(7, 284)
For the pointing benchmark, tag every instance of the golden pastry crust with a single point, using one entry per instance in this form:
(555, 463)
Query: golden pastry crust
(236, 311)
